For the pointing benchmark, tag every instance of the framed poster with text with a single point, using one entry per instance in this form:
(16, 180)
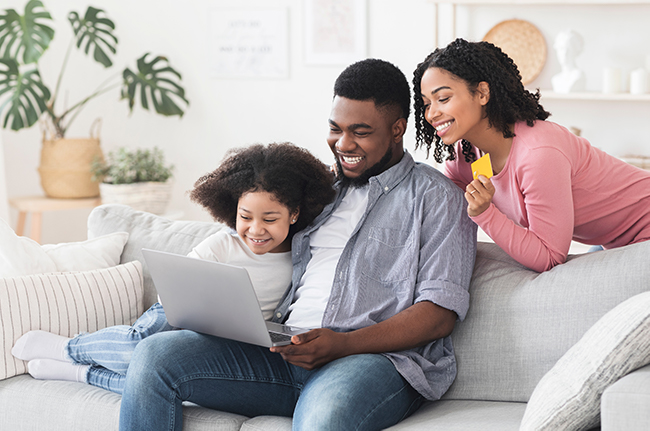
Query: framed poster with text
(249, 43)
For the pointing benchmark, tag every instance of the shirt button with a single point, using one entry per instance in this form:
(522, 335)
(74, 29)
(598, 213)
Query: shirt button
(386, 188)
(278, 315)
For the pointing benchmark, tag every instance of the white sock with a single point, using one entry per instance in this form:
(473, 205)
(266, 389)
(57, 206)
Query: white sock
(49, 369)
(41, 345)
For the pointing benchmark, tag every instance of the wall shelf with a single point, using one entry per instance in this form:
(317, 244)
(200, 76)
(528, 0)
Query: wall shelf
(618, 97)
(543, 2)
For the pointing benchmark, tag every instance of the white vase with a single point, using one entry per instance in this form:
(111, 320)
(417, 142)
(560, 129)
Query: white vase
(152, 197)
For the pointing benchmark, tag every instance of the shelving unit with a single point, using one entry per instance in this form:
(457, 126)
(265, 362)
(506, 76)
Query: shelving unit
(543, 2)
(549, 94)
(618, 97)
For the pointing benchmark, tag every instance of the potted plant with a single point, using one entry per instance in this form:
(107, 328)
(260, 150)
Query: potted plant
(138, 178)
(25, 98)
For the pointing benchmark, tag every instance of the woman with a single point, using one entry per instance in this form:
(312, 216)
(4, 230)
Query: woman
(549, 186)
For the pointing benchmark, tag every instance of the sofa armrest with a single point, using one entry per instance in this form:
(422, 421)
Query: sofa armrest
(625, 405)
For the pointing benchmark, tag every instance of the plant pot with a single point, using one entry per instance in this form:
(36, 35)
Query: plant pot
(152, 197)
(65, 167)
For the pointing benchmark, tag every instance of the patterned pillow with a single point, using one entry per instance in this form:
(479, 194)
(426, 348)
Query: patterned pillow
(568, 396)
(66, 303)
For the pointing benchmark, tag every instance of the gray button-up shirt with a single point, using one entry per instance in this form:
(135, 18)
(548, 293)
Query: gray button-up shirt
(414, 243)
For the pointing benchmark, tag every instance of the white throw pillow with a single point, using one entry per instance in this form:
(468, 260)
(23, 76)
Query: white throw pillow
(23, 256)
(66, 304)
(568, 396)
(20, 255)
(96, 253)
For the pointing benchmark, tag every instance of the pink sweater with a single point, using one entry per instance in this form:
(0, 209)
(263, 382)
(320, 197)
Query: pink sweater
(556, 187)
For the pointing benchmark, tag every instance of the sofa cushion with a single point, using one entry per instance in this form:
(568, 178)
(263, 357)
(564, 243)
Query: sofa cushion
(568, 396)
(624, 405)
(147, 230)
(29, 404)
(66, 303)
(464, 415)
(521, 322)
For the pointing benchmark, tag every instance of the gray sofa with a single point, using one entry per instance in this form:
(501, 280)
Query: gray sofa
(519, 324)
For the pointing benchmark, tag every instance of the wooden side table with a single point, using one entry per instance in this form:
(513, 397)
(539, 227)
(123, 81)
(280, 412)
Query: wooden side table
(37, 205)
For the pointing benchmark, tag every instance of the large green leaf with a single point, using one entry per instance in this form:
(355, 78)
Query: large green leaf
(27, 35)
(155, 84)
(97, 30)
(25, 95)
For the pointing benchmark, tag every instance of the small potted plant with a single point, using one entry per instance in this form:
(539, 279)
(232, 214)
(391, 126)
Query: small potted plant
(138, 178)
(25, 98)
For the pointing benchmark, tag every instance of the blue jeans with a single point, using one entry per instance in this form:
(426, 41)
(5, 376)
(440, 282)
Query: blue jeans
(109, 350)
(361, 392)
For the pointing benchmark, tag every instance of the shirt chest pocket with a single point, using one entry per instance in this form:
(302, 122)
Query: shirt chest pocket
(389, 255)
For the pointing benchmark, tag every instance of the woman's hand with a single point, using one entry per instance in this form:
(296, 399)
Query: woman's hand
(479, 195)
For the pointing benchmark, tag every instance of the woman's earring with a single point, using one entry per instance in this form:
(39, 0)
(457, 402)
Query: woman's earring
(293, 221)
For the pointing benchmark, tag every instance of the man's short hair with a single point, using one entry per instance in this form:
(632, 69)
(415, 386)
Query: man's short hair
(376, 80)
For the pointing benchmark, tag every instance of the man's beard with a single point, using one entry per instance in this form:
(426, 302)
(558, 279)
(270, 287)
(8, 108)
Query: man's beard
(365, 176)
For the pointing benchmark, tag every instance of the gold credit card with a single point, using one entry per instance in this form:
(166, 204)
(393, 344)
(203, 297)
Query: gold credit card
(482, 166)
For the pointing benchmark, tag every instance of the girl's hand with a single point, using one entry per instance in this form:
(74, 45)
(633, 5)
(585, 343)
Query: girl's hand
(479, 195)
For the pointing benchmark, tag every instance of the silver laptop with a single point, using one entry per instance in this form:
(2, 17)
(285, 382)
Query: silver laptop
(213, 298)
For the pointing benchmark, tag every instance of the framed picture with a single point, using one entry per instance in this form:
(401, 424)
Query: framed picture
(249, 43)
(335, 31)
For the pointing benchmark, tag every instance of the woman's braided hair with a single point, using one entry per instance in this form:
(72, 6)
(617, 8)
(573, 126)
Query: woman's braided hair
(476, 62)
(296, 178)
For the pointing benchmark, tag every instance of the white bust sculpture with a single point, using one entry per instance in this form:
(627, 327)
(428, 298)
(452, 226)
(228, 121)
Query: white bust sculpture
(568, 44)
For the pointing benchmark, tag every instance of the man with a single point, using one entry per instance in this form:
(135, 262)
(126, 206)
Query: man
(382, 274)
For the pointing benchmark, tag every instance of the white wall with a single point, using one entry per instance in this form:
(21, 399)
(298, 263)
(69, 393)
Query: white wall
(237, 112)
(4, 205)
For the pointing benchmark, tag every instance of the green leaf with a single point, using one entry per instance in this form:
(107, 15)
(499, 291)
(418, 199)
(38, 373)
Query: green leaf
(26, 35)
(125, 166)
(24, 95)
(157, 85)
(97, 32)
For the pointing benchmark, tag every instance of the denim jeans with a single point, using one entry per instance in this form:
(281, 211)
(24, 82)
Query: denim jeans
(109, 350)
(360, 392)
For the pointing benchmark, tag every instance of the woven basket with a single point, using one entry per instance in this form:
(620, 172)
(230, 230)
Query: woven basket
(524, 43)
(152, 197)
(65, 167)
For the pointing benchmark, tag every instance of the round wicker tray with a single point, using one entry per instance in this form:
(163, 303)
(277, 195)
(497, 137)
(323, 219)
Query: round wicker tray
(524, 43)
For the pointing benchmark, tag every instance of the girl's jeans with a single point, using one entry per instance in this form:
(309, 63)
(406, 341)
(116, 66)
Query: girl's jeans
(109, 350)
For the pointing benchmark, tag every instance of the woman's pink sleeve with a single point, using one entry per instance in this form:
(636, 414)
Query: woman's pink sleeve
(545, 184)
(452, 170)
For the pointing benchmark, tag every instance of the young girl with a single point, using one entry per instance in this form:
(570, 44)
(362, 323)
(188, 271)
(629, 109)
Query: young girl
(549, 186)
(266, 193)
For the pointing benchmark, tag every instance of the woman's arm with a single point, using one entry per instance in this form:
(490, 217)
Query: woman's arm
(544, 197)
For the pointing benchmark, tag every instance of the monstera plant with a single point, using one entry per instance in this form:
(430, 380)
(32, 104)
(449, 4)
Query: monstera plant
(25, 98)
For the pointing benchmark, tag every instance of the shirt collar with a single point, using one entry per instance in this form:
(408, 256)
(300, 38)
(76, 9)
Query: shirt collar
(391, 177)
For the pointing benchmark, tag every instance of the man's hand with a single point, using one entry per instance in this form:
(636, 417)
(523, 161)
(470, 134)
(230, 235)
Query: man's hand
(313, 349)
(479, 194)
(416, 326)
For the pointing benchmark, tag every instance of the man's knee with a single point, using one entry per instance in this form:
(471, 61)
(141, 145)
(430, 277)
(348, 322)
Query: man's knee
(153, 357)
(357, 392)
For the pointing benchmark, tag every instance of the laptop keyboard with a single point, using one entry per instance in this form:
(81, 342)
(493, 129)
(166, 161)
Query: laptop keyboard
(277, 337)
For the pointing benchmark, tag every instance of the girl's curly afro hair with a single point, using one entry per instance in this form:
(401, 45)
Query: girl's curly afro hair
(476, 62)
(296, 178)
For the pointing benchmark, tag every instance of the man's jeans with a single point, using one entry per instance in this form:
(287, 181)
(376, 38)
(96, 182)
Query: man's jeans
(361, 392)
(109, 350)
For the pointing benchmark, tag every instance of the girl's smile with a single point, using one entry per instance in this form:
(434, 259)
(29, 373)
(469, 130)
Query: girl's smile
(263, 223)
